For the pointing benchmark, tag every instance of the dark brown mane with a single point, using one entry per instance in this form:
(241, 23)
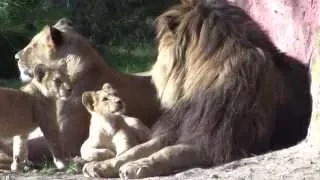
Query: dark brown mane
(231, 81)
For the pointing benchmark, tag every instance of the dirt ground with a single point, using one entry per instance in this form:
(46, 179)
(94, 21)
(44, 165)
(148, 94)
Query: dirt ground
(298, 162)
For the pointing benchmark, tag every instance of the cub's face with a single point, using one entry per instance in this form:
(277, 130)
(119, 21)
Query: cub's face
(41, 49)
(53, 82)
(104, 102)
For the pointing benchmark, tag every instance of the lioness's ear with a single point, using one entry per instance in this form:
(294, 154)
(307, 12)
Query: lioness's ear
(55, 36)
(39, 72)
(106, 87)
(87, 101)
(189, 3)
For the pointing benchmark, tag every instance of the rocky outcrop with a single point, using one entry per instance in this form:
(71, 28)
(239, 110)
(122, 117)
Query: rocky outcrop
(290, 23)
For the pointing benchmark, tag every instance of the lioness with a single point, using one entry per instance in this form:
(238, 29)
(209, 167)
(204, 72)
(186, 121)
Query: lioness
(87, 71)
(111, 131)
(34, 105)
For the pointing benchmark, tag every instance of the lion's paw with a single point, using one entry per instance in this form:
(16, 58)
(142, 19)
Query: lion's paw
(136, 169)
(21, 166)
(99, 169)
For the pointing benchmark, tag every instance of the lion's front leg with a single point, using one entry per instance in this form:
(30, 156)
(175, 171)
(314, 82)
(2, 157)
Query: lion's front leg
(110, 168)
(50, 130)
(96, 154)
(164, 162)
(20, 153)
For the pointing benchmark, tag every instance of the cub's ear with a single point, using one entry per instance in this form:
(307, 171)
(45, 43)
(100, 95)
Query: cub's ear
(39, 72)
(87, 101)
(55, 36)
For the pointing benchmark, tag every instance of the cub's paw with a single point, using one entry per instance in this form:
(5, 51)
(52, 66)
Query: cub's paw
(136, 169)
(99, 169)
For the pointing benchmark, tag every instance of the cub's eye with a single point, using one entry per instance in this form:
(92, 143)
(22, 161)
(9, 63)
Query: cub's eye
(105, 99)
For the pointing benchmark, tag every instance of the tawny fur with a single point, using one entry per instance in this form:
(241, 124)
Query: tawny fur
(34, 106)
(111, 132)
(88, 71)
(226, 90)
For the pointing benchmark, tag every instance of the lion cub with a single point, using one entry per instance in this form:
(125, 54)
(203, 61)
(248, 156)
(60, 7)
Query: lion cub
(21, 111)
(111, 132)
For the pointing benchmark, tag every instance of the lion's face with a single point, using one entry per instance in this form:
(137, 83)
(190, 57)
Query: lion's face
(164, 74)
(105, 101)
(53, 82)
(41, 49)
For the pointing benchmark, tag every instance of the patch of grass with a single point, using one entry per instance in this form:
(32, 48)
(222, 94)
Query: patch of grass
(130, 59)
(47, 168)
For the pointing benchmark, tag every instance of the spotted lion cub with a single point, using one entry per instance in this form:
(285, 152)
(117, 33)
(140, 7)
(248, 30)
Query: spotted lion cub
(33, 105)
(111, 132)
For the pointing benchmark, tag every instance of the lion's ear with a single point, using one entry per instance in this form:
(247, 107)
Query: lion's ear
(55, 36)
(64, 22)
(39, 72)
(87, 101)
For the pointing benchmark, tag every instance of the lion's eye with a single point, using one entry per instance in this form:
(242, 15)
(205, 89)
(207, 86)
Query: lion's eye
(105, 99)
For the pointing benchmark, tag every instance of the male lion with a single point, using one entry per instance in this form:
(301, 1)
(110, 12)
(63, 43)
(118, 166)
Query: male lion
(111, 132)
(32, 106)
(227, 91)
(87, 71)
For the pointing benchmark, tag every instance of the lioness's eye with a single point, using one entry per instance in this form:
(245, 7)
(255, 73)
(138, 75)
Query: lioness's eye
(57, 81)
(105, 99)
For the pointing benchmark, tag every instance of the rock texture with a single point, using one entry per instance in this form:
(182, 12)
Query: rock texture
(298, 162)
(290, 23)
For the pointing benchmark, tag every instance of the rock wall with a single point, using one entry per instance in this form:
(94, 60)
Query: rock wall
(290, 23)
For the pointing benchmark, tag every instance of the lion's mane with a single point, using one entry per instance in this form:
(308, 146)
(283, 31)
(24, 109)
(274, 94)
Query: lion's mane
(223, 84)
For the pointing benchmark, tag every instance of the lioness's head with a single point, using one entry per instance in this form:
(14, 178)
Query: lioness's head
(52, 81)
(104, 102)
(52, 44)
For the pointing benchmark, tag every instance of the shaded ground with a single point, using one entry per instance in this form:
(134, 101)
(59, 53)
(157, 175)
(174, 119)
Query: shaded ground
(299, 162)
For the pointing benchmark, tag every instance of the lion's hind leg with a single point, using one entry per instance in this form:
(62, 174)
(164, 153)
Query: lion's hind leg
(165, 161)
